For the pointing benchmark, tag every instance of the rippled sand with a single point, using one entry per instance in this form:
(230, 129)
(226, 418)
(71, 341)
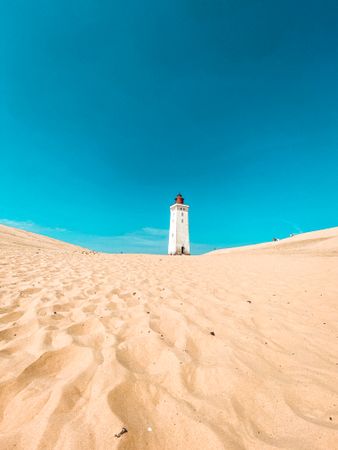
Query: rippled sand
(232, 350)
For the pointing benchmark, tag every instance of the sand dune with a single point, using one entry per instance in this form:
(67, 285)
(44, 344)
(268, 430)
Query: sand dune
(13, 237)
(232, 350)
(322, 241)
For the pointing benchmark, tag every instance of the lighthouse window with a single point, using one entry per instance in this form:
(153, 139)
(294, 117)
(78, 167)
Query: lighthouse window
(182, 220)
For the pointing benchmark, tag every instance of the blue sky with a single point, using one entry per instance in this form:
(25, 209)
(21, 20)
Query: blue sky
(108, 109)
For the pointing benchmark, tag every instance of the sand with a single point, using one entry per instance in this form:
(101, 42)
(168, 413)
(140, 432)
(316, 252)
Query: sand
(237, 349)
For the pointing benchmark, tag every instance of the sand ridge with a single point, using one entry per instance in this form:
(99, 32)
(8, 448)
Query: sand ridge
(234, 350)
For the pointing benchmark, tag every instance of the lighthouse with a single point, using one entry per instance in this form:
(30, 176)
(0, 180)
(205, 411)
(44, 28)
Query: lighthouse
(179, 228)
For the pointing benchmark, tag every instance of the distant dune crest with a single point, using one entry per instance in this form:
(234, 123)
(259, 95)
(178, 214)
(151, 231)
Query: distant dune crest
(15, 237)
(315, 241)
(322, 241)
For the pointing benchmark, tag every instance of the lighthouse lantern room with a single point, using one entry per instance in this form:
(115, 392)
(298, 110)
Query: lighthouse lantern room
(179, 228)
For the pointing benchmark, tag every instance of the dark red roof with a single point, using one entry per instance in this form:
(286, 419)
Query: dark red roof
(179, 199)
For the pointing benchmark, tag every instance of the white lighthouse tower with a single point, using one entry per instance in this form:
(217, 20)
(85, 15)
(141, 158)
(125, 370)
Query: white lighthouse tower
(179, 228)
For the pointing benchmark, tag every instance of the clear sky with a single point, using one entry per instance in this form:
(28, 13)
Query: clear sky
(109, 108)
